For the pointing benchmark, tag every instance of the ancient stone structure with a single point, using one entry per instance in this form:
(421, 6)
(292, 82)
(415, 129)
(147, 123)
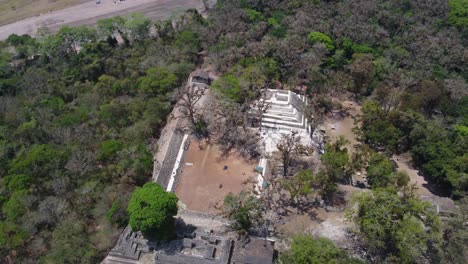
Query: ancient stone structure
(197, 248)
(205, 248)
(200, 77)
(283, 114)
(129, 248)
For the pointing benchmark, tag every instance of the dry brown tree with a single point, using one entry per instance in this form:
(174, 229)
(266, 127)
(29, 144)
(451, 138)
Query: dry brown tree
(290, 148)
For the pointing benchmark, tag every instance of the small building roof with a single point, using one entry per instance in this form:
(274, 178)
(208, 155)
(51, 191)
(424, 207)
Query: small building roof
(253, 251)
(201, 74)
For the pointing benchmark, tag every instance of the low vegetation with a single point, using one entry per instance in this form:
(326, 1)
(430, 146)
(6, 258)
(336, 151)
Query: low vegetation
(306, 249)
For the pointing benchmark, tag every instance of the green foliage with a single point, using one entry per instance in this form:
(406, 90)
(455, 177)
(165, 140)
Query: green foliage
(62, 96)
(38, 161)
(11, 237)
(158, 81)
(15, 207)
(228, 86)
(243, 210)
(441, 160)
(381, 173)
(336, 161)
(14, 183)
(51, 94)
(254, 15)
(319, 37)
(349, 47)
(188, 41)
(70, 244)
(362, 48)
(277, 29)
(152, 210)
(300, 185)
(138, 26)
(458, 15)
(201, 128)
(306, 249)
(377, 130)
(396, 228)
(117, 214)
(109, 149)
(437, 151)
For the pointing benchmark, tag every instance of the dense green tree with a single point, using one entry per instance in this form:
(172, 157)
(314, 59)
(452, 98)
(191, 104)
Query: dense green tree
(376, 130)
(306, 249)
(12, 237)
(381, 173)
(299, 185)
(458, 15)
(109, 149)
(320, 37)
(336, 161)
(158, 81)
(38, 161)
(151, 210)
(396, 228)
(228, 86)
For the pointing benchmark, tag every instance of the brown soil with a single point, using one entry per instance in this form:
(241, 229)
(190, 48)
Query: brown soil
(335, 127)
(203, 185)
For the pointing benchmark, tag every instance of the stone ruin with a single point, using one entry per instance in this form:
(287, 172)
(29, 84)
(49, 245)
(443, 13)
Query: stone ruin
(129, 248)
(283, 114)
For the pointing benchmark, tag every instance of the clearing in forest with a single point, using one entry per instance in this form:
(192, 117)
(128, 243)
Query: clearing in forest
(207, 177)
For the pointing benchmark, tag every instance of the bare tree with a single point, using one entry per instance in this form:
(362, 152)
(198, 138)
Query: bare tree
(228, 122)
(290, 147)
(260, 107)
(189, 96)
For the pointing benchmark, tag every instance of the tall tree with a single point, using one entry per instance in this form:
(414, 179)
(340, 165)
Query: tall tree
(152, 210)
(397, 228)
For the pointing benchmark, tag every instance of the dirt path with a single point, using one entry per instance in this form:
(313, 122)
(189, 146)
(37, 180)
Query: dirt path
(89, 13)
(404, 165)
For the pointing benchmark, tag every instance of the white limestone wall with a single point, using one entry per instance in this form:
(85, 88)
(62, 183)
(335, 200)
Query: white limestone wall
(284, 116)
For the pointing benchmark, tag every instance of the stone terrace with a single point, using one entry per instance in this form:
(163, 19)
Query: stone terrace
(283, 116)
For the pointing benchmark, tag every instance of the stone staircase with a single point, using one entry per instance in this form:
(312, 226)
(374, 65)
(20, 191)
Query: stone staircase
(129, 248)
(284, 115)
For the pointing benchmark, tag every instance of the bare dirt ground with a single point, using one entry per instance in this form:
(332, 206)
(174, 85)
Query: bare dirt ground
(15, 10)
(404, 165)
(335, 127)
(207, 177)
(89, 13)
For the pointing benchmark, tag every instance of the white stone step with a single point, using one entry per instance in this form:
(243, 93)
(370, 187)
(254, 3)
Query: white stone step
(280, 109)
(295, 123)
(278, 102)
(287, 127)
(118, 260)
(280, 116)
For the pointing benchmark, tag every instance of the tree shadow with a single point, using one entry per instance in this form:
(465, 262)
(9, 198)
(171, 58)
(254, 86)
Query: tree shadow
(184, 230)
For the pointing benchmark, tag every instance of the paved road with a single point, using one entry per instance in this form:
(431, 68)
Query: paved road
(89, 13)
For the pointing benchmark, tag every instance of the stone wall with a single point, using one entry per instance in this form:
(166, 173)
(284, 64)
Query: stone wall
(165, 170)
